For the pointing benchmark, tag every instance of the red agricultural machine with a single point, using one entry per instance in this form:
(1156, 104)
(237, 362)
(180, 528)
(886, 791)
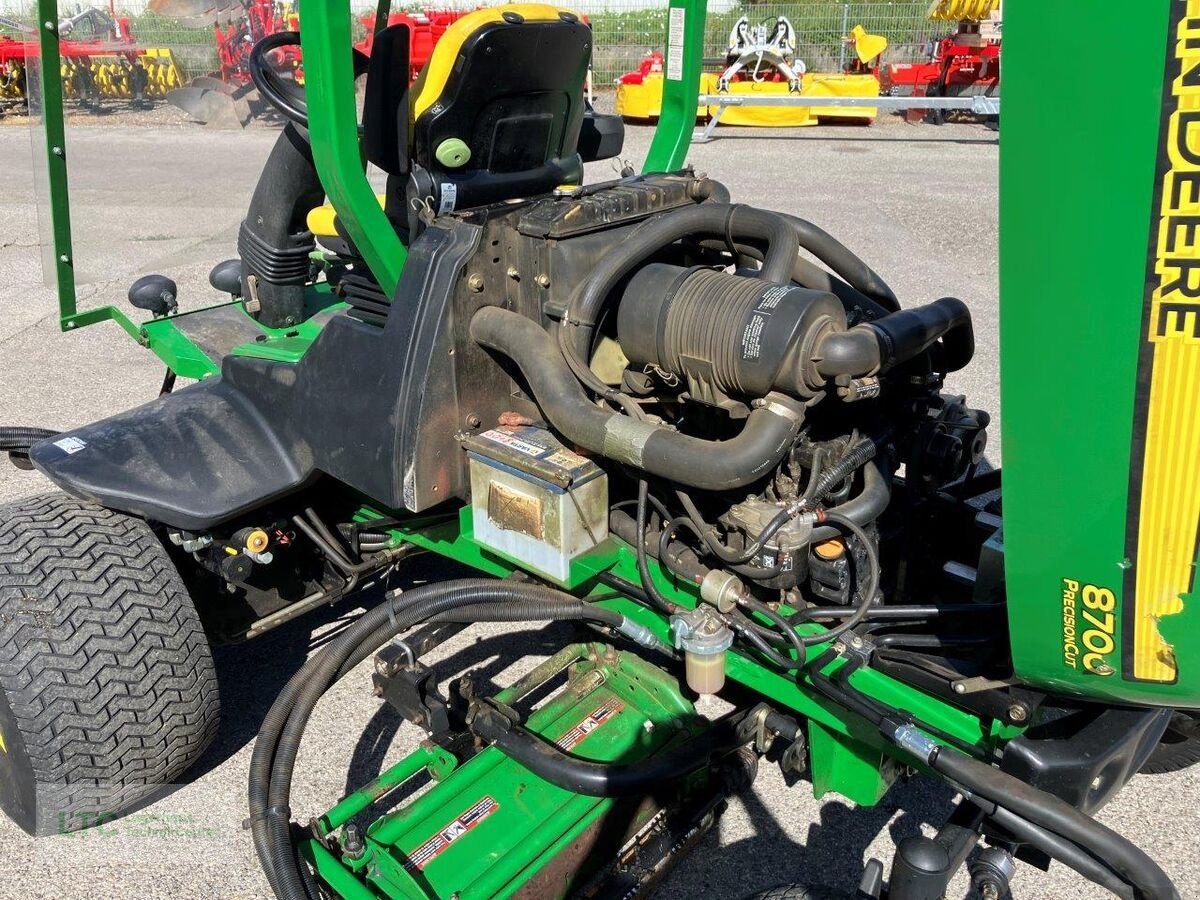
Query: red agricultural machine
(100, 60)
(964, 63)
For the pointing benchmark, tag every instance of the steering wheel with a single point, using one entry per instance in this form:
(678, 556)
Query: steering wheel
(289, 100)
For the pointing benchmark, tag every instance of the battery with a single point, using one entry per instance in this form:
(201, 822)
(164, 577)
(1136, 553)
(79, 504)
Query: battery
(534, 501)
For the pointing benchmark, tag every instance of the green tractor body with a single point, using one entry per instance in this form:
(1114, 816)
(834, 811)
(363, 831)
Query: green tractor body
(437, 384)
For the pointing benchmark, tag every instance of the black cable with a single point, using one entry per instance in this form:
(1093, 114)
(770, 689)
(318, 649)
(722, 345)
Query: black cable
(656, 597)
(780, 622)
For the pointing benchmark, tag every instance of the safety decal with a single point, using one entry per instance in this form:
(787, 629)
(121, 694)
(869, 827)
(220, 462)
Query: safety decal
(1164, 495)
(70, 445)
(440, 842)
(606, 712)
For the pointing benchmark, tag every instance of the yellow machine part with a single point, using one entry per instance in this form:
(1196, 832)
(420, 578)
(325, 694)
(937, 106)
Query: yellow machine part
(11, 92)
(867, 46)
(836, 85)
(110, 73)
(957, 10)
(320, 219)
(644, 101)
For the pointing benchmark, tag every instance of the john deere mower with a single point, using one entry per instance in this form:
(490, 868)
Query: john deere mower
(709, 435)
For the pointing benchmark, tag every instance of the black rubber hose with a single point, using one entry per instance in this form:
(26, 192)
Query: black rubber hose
(879, 346)
(864, 508)
(709, 465)
(1064, 851)
(845, 264)
(18, 439)
(1045, 810)
(732, 222)
(656, 596)
(278, 741)
(858, 456)
(594, 779)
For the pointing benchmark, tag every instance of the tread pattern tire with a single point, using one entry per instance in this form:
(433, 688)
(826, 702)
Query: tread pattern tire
(799, 892)
(107, 686)
(1178, 749)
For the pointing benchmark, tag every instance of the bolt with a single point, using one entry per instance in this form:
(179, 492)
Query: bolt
(543, 280)
(855, 642)
(475, 283)
(64, 258)
(352, 842)
(57, 151)
(513, 273)
(49, 26)
(473, 421)
(960, 688)
(648, 726)
(1018, 713)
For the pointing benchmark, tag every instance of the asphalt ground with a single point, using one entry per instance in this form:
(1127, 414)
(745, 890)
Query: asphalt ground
(918, 203)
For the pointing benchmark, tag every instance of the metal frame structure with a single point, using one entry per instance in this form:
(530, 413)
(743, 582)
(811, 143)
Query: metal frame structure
(979, 105)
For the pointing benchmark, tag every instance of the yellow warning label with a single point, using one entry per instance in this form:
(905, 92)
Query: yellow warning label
(1169, 503)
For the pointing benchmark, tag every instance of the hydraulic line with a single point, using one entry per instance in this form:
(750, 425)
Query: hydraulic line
(1066, 852)
(594, 779)
(1046, 811)
(278, 740)
(18, 439)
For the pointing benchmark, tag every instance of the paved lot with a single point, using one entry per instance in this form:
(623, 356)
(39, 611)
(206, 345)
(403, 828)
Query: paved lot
(918, 203)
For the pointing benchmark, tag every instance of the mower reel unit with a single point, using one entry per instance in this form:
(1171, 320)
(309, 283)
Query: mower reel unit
(675, 421)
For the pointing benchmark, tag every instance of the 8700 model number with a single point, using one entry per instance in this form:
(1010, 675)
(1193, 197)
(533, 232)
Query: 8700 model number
(1089, 622)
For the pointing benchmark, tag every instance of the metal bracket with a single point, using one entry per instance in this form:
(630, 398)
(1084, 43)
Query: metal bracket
(406, 685)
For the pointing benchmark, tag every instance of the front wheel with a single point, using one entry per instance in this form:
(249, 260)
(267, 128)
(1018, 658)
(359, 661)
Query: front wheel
(1178, 748)
(107, 686)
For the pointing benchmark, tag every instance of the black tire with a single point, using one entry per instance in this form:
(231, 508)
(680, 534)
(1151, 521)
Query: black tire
(107, 687)
(1178, 748)
(799, 892)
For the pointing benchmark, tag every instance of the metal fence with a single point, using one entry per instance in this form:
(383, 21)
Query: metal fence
(626, 30)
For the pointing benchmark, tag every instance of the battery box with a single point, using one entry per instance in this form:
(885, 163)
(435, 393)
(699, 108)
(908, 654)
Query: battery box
(533, 501)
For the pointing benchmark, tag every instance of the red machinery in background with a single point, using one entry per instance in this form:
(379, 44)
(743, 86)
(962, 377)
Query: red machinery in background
(237, 37)
(100, 60)
(425, 29)
(967, 62)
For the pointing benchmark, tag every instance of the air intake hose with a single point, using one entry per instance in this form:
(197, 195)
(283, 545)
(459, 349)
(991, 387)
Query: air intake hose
(876, 347)
(708, 465)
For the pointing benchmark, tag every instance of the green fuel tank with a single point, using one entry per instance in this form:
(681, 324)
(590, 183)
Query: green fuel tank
(1100, 354)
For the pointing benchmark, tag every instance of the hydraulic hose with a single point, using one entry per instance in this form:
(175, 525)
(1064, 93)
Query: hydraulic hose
(1062, 850)
(708, 465)
(594, 779)
(879, 346)
(1044, 810)
(18, 439)
(732, 222)
(278, 740)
